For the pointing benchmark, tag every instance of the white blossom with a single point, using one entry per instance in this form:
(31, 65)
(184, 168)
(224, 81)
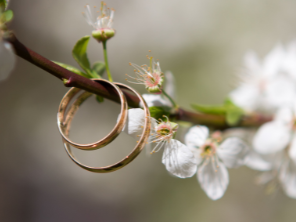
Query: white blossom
(213, 157)
(177, 158)
(268, 85)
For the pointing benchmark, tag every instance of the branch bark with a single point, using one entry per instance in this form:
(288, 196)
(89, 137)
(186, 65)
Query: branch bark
(73, 80)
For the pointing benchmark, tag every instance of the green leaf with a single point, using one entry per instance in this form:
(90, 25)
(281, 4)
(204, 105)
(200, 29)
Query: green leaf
(221, 110)
(233, 117)
(233, 112)
(158, 112)
(229, 102)
(99, 68)
(80, 55)
(72, 69)
(100, 99)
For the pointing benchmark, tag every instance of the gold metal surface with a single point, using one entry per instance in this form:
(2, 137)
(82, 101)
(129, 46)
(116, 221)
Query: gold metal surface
(126, 160)
(65, 122)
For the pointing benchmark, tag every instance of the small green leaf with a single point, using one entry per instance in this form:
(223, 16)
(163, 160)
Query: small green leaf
(158, 112)
(80, 55)
(72, 69)
(233, 112)
(100, 99)
(99, 68)
(233, 117)
(221, 110)
(229, 102)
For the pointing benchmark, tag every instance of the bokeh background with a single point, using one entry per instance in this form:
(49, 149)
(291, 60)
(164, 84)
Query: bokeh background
(201, 41)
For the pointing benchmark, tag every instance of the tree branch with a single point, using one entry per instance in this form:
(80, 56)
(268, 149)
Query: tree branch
(73, 80)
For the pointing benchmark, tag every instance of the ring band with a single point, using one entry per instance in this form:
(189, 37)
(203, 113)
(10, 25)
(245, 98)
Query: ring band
(126, 160)
(64, 124)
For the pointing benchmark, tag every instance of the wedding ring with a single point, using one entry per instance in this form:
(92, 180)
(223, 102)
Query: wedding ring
(126, 160)
(64, 122)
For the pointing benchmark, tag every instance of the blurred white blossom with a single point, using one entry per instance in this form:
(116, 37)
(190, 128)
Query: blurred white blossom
(177, 158)
(213, 157)
(269, 84)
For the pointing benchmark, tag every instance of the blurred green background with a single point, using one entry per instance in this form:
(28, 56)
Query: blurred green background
(201, 41)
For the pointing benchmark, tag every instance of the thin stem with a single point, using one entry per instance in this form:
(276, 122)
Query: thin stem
(106, 60)
(170, 98)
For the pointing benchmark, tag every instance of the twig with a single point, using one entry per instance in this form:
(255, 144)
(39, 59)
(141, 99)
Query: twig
(71, 79)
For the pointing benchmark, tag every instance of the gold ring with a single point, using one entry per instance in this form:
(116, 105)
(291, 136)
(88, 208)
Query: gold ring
(126, 160)
(64, 123)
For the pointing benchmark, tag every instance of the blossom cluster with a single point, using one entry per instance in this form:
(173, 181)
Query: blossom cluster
(271, 87)
(266, 86)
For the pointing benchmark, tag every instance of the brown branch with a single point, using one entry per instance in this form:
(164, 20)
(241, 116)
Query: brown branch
(104, 90)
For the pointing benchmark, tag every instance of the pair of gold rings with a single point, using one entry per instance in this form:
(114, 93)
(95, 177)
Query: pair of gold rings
(65, 119)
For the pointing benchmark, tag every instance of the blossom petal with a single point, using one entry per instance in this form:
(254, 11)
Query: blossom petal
(233, 152)
(197, 154)
(196, 136)
(254, 161)
(135, 122)
(284, 115)
(273, 61)
(7, 59)
(280, 91)
(213, 180)
(292, 150)
(246, 97)
(287, 177)
(155, 100)
(88, 15)
(178, 159)
(271, 137)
